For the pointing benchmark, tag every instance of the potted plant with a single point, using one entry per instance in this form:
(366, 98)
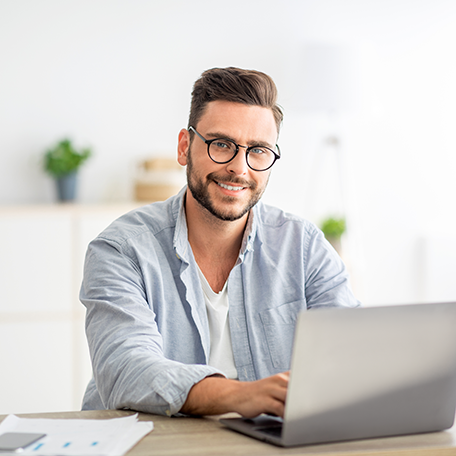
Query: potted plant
(333, 229)
(62, 162)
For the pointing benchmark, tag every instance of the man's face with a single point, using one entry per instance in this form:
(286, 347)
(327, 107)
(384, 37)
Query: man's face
(228, 191)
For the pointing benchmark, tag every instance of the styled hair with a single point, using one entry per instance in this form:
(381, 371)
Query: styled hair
(249, 87)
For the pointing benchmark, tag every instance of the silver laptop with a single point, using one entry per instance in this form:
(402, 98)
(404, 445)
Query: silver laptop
(366, 372)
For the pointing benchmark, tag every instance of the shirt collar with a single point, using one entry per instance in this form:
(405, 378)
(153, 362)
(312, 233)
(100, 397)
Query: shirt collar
(249, 233)
(180, 241)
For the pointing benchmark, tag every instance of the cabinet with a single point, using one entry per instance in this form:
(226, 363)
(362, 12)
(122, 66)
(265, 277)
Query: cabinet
(44, 358)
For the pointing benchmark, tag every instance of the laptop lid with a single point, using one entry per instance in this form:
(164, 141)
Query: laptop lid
(370, 372)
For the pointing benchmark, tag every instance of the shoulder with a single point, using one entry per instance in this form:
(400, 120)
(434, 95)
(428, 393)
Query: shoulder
(151, 219)
(273, 219)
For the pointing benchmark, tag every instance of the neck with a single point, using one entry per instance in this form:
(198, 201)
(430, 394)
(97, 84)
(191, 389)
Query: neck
(215, 243)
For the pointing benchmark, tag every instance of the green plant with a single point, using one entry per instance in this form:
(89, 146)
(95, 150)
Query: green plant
(333, 228)
(64, 158)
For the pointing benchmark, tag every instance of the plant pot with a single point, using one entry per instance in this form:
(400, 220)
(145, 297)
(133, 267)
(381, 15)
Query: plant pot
(66, 187)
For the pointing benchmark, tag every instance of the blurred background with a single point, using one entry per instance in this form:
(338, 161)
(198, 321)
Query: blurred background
(369, 95)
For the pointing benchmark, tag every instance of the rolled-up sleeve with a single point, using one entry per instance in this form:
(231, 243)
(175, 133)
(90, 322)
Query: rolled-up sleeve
(129, 365)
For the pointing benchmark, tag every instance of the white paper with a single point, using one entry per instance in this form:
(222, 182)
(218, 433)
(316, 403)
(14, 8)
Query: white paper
(67, 437)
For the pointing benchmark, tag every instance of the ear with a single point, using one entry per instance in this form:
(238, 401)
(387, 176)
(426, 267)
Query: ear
(182, 146)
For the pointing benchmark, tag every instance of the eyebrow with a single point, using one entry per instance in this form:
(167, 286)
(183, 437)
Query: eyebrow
(220, 135)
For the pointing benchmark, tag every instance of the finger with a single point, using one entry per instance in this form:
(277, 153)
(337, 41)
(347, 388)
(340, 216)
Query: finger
(285, 376)
(281, 380)
(279, 394)
(277, 408)
(276, 387)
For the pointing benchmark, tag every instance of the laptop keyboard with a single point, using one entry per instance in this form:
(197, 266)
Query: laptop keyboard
(275, 431)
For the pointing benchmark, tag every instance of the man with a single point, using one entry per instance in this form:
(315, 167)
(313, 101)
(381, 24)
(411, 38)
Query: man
(191, 303)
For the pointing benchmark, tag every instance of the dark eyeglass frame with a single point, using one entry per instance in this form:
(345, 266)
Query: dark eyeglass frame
(277, 154)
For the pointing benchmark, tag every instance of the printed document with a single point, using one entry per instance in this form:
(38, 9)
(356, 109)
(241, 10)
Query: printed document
(67, 437)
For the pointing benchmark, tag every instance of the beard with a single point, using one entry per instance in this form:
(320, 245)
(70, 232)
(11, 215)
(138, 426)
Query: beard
(200, 192)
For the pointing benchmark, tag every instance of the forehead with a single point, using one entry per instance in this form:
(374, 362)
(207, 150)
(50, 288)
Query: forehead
(240, 121)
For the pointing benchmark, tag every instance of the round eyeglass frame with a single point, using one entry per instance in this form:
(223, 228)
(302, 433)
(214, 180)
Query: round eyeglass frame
(210, 141)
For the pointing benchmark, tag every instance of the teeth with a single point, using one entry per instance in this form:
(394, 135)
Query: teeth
(229, 187)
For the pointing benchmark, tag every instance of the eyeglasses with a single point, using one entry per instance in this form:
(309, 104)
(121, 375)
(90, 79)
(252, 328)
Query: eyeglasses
(222, 150)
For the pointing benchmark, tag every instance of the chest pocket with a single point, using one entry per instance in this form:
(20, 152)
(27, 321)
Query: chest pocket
(279, 325)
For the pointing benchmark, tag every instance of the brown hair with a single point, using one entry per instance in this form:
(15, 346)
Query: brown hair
(249, 87)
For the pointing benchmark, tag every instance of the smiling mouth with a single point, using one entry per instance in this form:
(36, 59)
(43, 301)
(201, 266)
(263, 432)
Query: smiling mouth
(230, 187)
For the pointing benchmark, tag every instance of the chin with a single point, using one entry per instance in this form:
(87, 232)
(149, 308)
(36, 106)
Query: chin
(230, 214)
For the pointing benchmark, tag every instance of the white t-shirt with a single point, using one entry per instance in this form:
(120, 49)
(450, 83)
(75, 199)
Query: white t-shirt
(221, 355)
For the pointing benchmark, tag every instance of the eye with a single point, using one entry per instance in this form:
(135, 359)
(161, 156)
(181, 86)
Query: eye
(222, 145)
(258, 151)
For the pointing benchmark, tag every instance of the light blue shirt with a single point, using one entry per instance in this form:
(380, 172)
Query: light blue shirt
(146, 321)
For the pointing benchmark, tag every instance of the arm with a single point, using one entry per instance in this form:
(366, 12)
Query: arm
(216, 395)
(126, 346)
(327, 279)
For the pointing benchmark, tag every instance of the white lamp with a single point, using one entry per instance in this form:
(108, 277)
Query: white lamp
(329, 88)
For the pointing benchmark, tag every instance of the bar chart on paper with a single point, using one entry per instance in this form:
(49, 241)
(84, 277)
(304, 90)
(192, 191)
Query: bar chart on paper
(113, 437)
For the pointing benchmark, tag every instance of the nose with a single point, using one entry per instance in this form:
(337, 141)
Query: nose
(238, 165)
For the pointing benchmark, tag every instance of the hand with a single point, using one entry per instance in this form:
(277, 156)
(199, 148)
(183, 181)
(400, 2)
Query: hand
(216, 395)
(262, 396)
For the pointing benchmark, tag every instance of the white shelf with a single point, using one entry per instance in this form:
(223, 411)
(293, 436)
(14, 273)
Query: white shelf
(45, 359)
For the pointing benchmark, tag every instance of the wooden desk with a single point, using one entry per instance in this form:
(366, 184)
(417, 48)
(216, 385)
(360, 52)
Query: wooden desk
(206, 436)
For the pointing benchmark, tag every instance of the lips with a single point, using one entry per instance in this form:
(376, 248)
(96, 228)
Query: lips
(232, 183)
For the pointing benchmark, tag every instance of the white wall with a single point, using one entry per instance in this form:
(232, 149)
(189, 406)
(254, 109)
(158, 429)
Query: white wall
(117, 75)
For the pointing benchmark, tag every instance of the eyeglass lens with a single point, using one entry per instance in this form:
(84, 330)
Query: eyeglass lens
(259, 158)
